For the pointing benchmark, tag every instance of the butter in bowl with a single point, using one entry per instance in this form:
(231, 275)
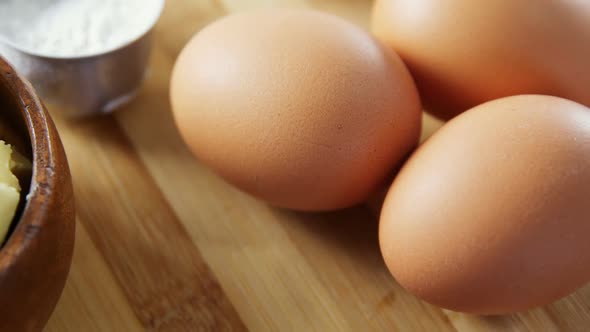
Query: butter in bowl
(15, 172)
(36, 207)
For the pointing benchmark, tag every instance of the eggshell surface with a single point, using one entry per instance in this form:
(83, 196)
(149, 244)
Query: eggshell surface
(299, 108)
(491, 214)
(463, 52)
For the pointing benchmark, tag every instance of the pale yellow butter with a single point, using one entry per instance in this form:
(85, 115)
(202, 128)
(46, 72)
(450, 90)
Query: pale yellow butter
(9, 190)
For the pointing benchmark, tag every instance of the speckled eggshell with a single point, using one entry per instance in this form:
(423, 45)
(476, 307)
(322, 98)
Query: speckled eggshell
(464, 52)
(300, 108)
(492, 214)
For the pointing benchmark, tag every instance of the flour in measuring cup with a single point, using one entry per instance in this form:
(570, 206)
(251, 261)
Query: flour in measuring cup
(71, 28)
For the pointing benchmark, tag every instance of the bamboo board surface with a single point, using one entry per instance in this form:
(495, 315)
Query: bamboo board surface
(164, 245)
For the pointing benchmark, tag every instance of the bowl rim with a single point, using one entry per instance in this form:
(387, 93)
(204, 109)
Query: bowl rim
(43, 181)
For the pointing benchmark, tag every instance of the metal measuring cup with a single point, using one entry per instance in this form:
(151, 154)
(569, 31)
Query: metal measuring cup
(90, 84)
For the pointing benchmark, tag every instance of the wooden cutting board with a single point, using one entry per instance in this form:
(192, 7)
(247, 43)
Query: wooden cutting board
(163, 244)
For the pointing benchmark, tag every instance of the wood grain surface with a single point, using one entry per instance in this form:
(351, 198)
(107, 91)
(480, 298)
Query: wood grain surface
(165, 245)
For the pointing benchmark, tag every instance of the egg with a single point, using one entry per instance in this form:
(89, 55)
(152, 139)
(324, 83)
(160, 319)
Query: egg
(491, 214)
(463, 52)
(300, 108)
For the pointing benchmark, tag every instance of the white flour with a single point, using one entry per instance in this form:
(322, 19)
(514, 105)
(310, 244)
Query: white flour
(75, 27)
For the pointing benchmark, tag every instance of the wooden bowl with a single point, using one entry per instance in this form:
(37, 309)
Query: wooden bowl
(36, 257)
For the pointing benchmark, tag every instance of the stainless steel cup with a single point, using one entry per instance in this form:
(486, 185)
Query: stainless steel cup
(81, 86)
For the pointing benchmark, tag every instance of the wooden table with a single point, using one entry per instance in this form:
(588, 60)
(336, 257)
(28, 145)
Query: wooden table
(163, 244)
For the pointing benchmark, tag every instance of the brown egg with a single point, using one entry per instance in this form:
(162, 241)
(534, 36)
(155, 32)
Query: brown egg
(299, 108)
(464, 52)
(491, 215)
